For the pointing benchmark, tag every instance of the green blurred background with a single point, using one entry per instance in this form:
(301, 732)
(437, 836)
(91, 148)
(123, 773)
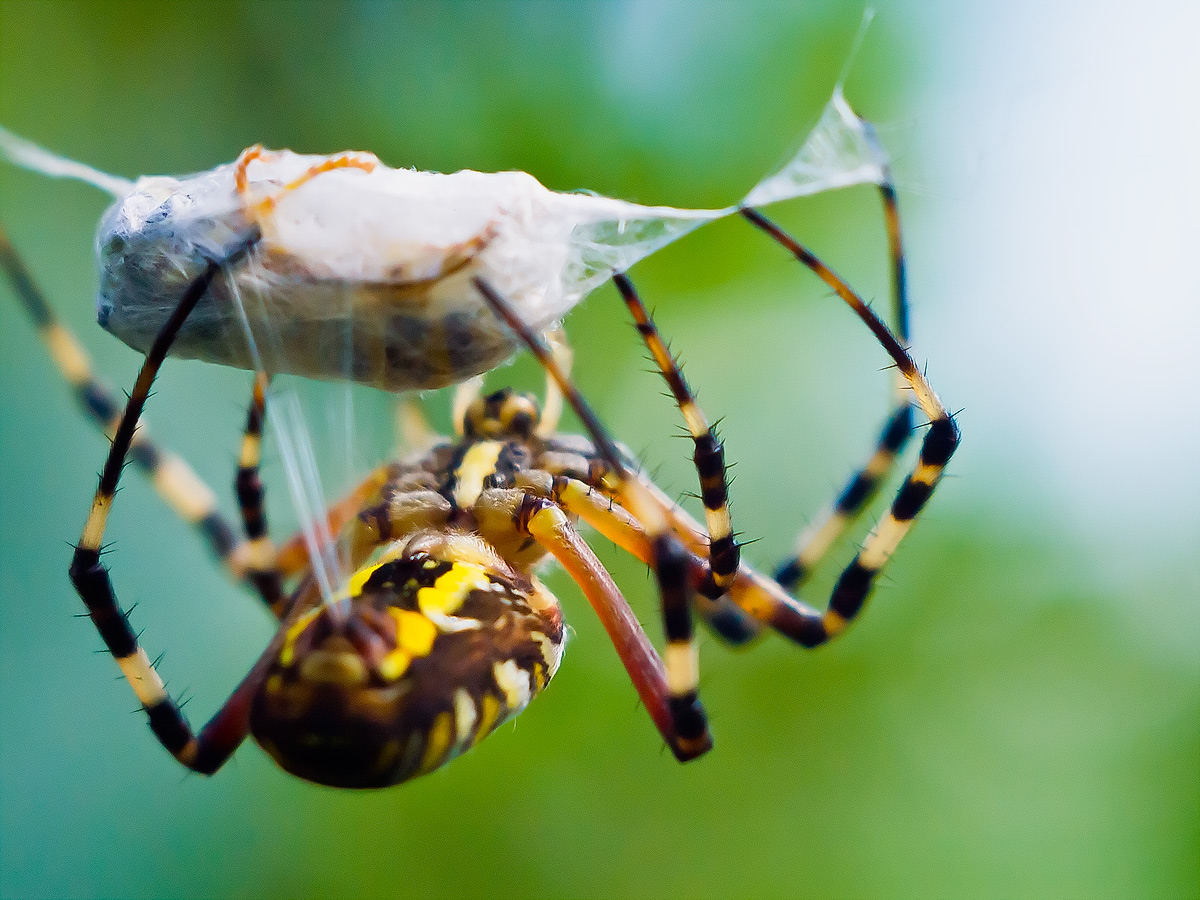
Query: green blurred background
(1018, 712)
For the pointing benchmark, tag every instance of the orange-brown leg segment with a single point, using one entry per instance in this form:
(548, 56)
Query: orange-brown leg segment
(670, 557)
(547, 524)
(292, 555)
(612, 520)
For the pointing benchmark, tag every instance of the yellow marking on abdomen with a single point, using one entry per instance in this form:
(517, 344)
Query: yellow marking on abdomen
(514, 682)
(489, 715)
(465, 716)
(359, 579)
(478, 463)
(444, 596)
(415, 635)
(437, 744)
(287, 654)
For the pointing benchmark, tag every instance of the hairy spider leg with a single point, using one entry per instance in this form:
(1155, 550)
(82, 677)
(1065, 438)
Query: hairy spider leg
(708, 456)
(728, 620)
(206, 751)
(546, 523)
(691, 736)
(173, 479)
(253, 560)
(262, 561)
(941, 440)
(815, 541)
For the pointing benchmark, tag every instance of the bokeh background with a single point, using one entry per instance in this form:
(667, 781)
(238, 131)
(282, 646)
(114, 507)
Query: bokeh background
(1018, 712)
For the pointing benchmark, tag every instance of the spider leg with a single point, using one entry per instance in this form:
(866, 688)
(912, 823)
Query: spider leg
(597, 509)
(414, 434)
(816, 540)
(708, 456)
(547, 524)
(206, 751)
(174, 480)
(941, 440)
(466, 393)
(670, 557)
(260, 560)
(292, 555)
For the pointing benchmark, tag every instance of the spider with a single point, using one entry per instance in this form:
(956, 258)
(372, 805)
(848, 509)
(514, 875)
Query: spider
(443, 630)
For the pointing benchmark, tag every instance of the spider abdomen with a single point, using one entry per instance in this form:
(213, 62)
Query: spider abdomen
(431, 656)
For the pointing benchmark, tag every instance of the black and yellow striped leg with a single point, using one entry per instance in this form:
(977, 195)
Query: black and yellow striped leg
(727, 620)
(259, 559)
(816, 541)
(708, 456)
(690, 725)
(942, 439)
(173, 479)
(857, 579)
(546, 523)
(205, 752)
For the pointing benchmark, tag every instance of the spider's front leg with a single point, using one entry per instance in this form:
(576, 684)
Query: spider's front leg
(207, 751)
